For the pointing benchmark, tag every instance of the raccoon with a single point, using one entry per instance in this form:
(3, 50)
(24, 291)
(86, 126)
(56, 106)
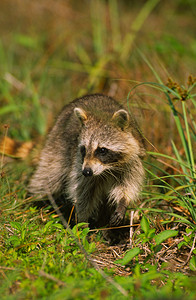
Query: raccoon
(92, 159)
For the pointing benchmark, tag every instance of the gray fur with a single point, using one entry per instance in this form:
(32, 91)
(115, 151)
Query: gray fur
(92, 121)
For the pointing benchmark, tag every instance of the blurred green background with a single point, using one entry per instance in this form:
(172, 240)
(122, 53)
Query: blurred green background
(53, 51)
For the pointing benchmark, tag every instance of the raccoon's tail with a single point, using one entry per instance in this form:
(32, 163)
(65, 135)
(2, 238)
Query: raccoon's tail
(15, 149)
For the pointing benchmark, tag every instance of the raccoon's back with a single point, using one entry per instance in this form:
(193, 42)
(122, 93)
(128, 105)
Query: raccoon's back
(96, 105)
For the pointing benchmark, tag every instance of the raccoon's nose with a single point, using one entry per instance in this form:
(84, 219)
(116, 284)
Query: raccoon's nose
(87, 172)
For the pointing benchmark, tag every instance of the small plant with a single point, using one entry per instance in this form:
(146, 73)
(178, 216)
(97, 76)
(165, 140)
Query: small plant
(149, 237)
(143, 259)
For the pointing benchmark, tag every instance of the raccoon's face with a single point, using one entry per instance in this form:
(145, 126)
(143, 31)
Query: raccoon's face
(97, 159)
(104, 147)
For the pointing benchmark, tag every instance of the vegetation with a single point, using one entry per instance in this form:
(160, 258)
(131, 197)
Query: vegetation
(142, 53)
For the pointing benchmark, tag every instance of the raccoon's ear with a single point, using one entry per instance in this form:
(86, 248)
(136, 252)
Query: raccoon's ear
(121, 118)
(80, 114)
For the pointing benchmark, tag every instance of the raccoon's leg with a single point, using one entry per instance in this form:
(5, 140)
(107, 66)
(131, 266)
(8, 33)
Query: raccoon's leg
(118, 215)
(82, 212)
(126, 192)
(115, 218)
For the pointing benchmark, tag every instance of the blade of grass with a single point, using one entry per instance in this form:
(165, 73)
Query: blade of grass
(191, 87)
(193, 122)
(192, 163)
(184, 169)
(181, 187)
(98, 25)
(9, 108)
(179, 127)
(98, 70)
(83, 56)
(169, 157)
(115, 25)
(182, 200)
(145, 11)
(166, 184)
(150, 67)
(174, 111)
(72, 66)
(179, 157)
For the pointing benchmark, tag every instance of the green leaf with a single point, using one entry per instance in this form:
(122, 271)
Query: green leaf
(9, 109)
(16, 225)
(181, 244)
(145, 225)
(128, 256)
(151, 233)
(58, 225)
(85, 231)
(78, 226)
(192, 263)
(23, 234)
(164, 235)
(26, 41)
(14, 240)
(48, 225)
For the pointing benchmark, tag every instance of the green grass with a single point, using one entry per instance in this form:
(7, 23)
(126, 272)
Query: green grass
(183, 181)
(47, 60)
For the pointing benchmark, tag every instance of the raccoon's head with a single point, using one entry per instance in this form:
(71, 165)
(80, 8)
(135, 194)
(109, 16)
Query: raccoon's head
(105, 144)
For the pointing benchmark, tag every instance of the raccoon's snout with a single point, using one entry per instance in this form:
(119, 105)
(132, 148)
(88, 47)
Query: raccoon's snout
(87, 172)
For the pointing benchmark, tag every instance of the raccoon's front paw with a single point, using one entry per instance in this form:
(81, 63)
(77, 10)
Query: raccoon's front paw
(116, 219)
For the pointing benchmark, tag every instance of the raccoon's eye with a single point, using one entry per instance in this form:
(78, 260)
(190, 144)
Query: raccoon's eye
(102, 151)
(83, 151)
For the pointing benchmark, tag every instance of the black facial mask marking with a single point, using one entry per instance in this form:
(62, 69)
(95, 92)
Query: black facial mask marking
(107, 156)
(83, 151)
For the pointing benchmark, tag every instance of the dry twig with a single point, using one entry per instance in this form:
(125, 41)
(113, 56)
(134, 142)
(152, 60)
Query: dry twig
(131, 228)
(51, 277)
